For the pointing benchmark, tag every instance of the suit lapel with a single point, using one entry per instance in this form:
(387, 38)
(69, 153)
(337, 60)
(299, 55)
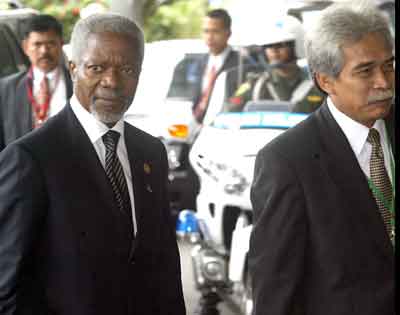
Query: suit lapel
(23, 108)
(342, 166)
(230, 61)
(390, 127)
(86, 158)
(137, 163)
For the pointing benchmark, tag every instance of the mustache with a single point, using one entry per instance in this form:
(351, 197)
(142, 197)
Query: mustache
(46, 56)
(380, 96)
(109, 94)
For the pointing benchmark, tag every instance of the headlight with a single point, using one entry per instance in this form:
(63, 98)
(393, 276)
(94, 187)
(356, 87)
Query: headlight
(174, 152)
(213, 266)
(232, 181)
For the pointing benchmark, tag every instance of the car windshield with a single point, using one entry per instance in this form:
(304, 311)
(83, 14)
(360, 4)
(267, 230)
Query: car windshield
(262, 113)
(173, 62)
(259, 115)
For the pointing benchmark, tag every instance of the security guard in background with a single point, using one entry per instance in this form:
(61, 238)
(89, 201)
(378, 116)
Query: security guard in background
(278, 76)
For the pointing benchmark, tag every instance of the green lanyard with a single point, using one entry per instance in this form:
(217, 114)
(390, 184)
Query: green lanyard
(378, 194)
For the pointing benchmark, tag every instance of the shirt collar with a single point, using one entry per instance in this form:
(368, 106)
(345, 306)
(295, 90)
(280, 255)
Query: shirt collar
(94, 128)
(39, 74)
(355, 132)
(218, 60)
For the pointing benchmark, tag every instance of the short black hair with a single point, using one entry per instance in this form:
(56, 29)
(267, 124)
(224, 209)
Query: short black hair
(41, 23)
(223, 15)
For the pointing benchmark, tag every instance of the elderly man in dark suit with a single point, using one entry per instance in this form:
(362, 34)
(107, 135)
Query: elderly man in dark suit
(28, 98)
(85, 226)
(322, 191)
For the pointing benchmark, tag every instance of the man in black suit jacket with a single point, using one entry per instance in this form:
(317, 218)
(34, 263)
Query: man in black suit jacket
(221, 57)
(20, 108)
(85, 225)
(320, 244)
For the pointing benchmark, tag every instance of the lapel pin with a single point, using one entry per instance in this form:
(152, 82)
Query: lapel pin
(147, 168)
(148, 188)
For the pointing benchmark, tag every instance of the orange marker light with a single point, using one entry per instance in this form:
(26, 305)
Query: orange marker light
(178, 131)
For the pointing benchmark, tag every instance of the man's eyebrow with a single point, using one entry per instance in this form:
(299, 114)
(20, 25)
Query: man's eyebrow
(391, 59)
(44, 41)
(371, 63)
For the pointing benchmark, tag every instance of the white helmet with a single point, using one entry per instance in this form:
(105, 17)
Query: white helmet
(284, 29)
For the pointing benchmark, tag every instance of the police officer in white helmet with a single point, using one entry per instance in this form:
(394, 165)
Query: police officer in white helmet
(279, 77)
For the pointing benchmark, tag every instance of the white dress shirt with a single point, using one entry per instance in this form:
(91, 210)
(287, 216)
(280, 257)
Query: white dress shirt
(95, 130)
(57, 88)
(357, 134)
(217, 61)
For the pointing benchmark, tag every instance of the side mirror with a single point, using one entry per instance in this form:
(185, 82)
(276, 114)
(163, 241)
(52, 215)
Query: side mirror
(187, 226)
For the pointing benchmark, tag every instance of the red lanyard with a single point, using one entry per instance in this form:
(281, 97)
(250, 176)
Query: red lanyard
(40, 111)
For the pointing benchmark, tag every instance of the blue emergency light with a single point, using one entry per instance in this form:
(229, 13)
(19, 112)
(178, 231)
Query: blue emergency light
(187, 222)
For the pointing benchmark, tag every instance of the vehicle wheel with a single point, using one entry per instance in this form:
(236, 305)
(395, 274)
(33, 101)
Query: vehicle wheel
(246, 303)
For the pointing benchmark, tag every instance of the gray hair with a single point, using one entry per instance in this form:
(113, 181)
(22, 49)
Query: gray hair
(340, 25)
(101, 23)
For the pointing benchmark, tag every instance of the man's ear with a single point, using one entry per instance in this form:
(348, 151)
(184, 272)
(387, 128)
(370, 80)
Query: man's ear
(325, 82)
(24, 45)
(72, 69)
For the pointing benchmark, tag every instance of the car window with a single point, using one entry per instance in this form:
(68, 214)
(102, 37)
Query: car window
(12, 57)
(15, 19)
(7, 63)
(186, 75)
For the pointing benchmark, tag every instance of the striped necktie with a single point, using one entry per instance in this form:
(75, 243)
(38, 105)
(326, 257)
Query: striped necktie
(41, 108)
(380, 182)
(43, 95)
(116, 175)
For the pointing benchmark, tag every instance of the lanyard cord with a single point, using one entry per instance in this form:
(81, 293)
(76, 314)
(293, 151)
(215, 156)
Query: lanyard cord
(378, 194)
(40, 114)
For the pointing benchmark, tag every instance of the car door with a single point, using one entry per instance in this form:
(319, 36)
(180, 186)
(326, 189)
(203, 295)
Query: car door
(12, 58)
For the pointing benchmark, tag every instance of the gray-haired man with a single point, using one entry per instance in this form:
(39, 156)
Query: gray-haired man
(322, 196)
(84, 220)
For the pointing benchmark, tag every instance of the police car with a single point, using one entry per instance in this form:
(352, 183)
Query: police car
(223, 157)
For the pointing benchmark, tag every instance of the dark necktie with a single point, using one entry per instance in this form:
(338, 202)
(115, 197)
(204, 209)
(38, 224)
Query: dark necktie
(116, 175)
(381, 186)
